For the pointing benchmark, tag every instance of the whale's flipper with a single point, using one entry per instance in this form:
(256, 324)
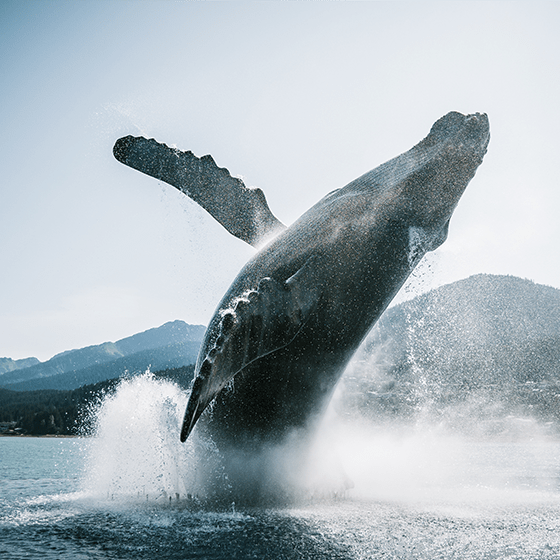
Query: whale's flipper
(243, 211)
(258, 323)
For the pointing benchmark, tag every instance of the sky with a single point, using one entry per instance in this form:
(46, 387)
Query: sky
(297, 98)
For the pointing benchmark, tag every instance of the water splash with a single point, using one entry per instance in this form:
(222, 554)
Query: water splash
(135, 452)
(136, 456)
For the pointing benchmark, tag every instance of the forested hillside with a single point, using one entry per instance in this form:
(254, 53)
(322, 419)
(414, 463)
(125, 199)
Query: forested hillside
(64, 412)
(486, 345)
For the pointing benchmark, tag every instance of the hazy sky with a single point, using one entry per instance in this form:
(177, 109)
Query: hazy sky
(298, 98)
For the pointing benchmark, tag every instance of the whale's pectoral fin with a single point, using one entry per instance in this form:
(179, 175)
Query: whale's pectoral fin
(258, 323)
(243, 211)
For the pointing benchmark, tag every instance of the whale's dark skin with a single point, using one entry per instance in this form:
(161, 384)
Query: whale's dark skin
(287, 327)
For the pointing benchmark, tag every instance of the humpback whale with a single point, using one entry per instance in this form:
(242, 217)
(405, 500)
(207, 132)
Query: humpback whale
(294, 316)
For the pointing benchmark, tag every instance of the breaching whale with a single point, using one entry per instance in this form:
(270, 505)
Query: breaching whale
(287, 327)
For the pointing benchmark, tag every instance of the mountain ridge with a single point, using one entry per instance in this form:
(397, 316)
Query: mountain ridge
(7, 364)
(176, 338)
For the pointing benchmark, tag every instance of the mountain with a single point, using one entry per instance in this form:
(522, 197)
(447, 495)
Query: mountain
(174, 344)
(156, 359)
(7, 364)
(478, 346)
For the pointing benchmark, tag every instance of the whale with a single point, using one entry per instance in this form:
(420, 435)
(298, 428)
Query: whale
(284, 332)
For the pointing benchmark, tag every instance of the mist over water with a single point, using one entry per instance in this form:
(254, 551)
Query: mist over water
(136, 456)
(364, 488)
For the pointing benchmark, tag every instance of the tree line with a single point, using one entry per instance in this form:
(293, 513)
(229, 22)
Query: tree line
(52, 412)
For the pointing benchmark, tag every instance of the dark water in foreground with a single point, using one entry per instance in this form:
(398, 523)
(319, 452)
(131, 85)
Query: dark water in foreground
(418, 495)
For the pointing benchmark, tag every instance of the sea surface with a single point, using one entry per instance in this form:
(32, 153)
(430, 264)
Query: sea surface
(419, 493)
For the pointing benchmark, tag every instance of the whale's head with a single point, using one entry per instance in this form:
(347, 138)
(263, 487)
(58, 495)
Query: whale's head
(447, 160)
(420, 188)
(439, 169)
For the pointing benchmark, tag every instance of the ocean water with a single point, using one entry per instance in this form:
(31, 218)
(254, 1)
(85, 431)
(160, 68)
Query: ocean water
(419, 492)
